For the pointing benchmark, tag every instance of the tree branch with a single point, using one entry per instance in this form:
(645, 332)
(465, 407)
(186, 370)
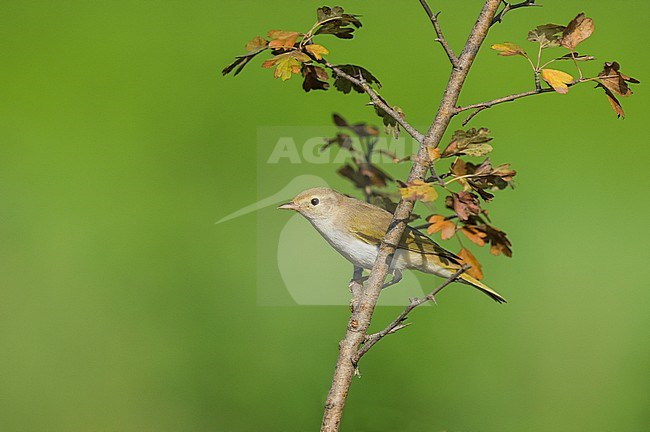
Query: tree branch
(507, 7)
(396, 324)
(440, 37)
(361, 314)
(378, 101)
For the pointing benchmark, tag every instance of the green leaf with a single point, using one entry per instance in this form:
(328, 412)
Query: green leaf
(335, 22)
(547, 35)
(286, 64)
(472, 142)
(345, 86)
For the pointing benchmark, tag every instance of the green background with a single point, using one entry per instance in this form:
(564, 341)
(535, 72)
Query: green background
(124, 308)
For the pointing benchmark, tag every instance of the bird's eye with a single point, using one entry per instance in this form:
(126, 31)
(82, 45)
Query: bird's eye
(314, 201)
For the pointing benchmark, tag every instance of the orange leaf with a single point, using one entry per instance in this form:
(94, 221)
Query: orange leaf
(256, 43)
(468, 258)
(282, 39)
(474, 235)
(557, 79)
(439, 223)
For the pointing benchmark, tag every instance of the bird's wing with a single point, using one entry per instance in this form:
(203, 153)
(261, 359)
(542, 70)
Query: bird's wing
(372, 229)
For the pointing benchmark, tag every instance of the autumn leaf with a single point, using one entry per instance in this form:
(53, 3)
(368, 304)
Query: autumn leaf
(612, 79)
(253, 48)
(391, 127)
(577, 57)
(366, 174)
(434, 153)
(439, 223)
(417, 189)
(557, 79)
(345, 86)
(579, 29)
(472, 143)
(318, 51)
(342, 140)
(335, 22)
(281, 39)
(467, 257)
(361, 129)
(256, 43)
(286, 64)
(315, 78)
(547, 35)
(484, 175)
(509, 49)
(463, 204)
(474, 235)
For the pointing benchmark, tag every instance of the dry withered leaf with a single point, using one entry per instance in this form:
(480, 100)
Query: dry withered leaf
(438, 223)
(499, 243)
(472, 143)
(256, 43)
(474, 234)
(374, 174)
(612, 81)
(463, 204)
(315, 78)
(418, 190)
(342, 140)
(467, 257)
(253, 48)
(577, 57)
(483, 176)
(547, 35)
(557, 79)
(579, 29)
(335, 22)
(281, 39)
(508, 49)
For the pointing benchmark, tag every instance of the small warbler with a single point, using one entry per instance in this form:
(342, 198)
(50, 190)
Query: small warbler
(355, 229)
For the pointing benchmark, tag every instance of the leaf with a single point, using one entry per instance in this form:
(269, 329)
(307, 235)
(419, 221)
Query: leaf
(579, 29)
(434, 153)
(318, 51)
(499, 243)
(463, 204)
(281, 39)
(547, 35)
(612, 81)
(509, 49)
(439, 223)
(483, 176)
(315, 78)
(342, 140)
(256, 43)
(472, 142)
(361, 129)
(467, 257)
(365, 175)
(391, 126)
(417, 189)
(383, 200)
(577, 57)
(335, 22)
(343, 85)
(286, 64)
(254, 47)
(557, 79)
(475, 235)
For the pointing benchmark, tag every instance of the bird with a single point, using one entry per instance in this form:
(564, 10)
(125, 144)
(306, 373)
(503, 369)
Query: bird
(356, 228)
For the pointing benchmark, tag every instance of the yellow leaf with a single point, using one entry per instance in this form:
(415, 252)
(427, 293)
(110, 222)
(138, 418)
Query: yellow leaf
(508, 49)
(286, 64)
(419, 190)
(281, 39)
(557, 79)
(318, 51)
(468, 258)
(434, 153)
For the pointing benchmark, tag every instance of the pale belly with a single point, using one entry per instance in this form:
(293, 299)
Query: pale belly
(362, 254)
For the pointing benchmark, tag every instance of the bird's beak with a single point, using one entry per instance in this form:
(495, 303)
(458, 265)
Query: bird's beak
(288, 206)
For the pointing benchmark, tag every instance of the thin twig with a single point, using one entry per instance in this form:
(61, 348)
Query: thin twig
(440, 37)
(478, 107)
(507, 7)
(398, 323)
(378, 101)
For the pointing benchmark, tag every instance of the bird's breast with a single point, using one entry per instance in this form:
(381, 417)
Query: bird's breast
(351, 247)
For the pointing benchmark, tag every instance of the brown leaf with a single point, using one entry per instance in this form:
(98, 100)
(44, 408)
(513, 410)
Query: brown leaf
(467, 257)
(281, 39)
(612, 81)
(579, 29)
(483, 176)
(315, 78)
(342, 140)
(474, 234)
(508, 49)
(256, 43)
(374, 174)
(439, 223)
(417, 189)
(463, 204)
(557, 79)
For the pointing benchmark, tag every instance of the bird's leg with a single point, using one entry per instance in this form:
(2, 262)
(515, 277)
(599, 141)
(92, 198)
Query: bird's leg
(356, 284)
(397, 276)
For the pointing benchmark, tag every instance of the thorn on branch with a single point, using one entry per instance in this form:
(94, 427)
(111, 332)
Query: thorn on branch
(507, 7)
(453, 59)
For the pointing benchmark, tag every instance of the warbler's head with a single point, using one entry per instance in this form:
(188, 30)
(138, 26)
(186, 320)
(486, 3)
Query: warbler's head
(316, 203)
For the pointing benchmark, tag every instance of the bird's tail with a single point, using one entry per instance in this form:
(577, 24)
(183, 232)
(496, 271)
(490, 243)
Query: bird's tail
(465, 278)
